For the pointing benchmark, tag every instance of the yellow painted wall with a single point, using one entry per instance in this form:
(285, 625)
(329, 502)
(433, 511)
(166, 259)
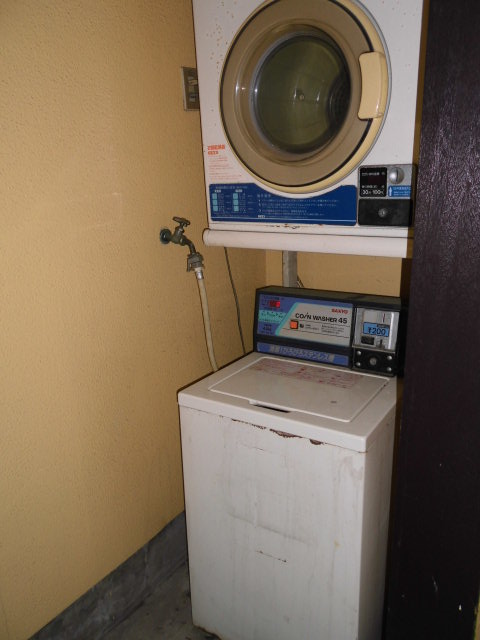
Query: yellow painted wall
(361, 274)
(100, 325)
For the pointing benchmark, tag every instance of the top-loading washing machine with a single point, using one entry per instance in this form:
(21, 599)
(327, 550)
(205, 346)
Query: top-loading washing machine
(287, 474)
(308, 114)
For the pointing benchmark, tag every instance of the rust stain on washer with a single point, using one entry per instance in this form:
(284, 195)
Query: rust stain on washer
(248, 424)
(270, 556)
(316, 442)
(284, 435)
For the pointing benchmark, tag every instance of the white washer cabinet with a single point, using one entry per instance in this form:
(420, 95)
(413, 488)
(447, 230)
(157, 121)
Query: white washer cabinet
(287, 471)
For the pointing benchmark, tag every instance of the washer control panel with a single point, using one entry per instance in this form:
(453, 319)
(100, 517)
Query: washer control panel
(375, 339)
(354, 330)
(386, 195)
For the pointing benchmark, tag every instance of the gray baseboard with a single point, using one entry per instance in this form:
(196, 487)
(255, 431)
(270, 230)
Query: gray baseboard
(115, 597)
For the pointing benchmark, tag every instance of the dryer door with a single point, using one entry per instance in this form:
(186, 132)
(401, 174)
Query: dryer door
(304, 90)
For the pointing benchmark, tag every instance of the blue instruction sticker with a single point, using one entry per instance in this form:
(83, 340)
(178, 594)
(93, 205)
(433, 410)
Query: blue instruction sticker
(250, 203)
(314, 355)
(400, 191)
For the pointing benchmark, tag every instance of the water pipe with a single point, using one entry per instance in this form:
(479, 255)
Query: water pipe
(194, 263)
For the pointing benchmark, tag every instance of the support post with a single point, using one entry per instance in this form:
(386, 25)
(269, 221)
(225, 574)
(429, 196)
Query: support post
(289, 269)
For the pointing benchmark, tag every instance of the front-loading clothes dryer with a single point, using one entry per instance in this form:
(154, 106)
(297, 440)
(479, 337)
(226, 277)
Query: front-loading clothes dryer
(308, 114)
(287, 474)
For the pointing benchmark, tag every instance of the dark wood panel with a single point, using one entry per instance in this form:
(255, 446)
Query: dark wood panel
(434, 567)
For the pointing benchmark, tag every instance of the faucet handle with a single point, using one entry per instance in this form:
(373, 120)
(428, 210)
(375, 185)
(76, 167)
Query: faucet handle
(183, 222)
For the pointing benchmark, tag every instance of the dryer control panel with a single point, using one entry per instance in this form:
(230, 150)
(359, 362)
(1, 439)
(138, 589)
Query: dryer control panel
(386, 195)
(363, 332)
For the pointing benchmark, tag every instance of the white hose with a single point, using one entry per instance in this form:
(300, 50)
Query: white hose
(206, 316)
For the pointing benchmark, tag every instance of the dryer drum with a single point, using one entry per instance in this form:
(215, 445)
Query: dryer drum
(298, 109)
(303, 99)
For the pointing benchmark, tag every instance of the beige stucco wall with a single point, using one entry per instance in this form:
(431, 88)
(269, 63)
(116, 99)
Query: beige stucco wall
(100, 325)
(362, 274)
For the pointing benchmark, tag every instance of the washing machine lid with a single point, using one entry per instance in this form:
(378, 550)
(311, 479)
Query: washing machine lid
(324, 404)
(287, 385)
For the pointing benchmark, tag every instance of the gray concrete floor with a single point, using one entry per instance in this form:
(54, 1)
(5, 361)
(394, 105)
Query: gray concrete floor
(165, 615)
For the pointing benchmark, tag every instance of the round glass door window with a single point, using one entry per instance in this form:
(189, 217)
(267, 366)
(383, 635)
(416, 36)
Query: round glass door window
(303, 92)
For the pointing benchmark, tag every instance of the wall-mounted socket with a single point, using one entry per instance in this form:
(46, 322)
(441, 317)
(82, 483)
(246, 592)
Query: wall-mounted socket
(191, 100)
